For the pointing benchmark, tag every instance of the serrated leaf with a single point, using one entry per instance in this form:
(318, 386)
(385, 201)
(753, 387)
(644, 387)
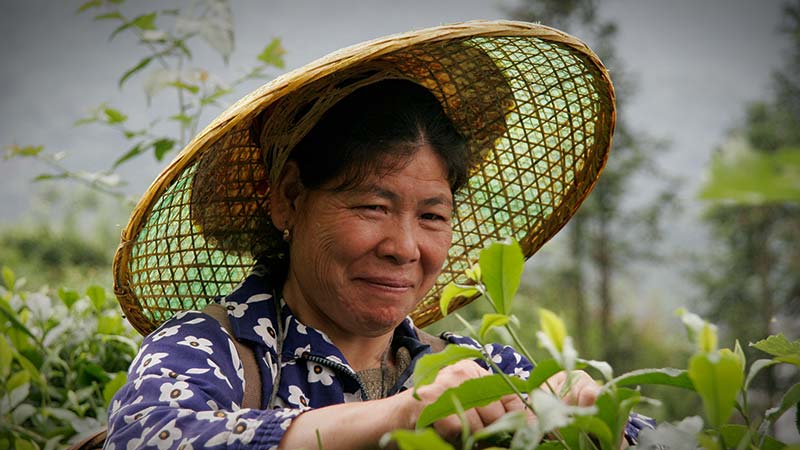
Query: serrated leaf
(113, 116)
(97, 295)
(426, 439)
(501, 268)
(614, 407)
(144, 62)
(429, 365)
(491, 321)
(780, 347)
(717, 377)
(666, 377)
(451, 291)
(9, 279)
(161, 147)
(601, 366)
(735, 435)
(595, 427)
(552, 413)
(472, 393)
(272, 55)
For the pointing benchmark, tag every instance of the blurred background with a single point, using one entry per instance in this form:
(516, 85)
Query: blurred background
(699, 206)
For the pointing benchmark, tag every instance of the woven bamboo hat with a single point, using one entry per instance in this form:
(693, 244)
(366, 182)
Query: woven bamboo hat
(535, 104)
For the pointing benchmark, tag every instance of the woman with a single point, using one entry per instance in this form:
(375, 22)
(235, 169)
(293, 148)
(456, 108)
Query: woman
(345, 188)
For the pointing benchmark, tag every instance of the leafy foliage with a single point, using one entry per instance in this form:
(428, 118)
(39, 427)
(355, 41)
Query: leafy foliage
(62, 356)
(717, 376)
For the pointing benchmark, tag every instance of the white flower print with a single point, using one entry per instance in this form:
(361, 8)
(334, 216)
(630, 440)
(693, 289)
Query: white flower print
(354, 397)
(267, 332)
(165, 332)
(237, 363)
(150, 360)
(172, 374)
(164, 438)
(182, 314)
(522, 373)
(300, 351)
(138, 356)
(258, 298)
(218, 373)
(244, 431)
(286, 413)
(301, 328)
(175, 392)
(212, 416)
(236, 309)
(197, 371)
(135, 444)
(318, 373)
(298, 398)
(140, 416)
(201, 344)
(270, 363)
(186, 444)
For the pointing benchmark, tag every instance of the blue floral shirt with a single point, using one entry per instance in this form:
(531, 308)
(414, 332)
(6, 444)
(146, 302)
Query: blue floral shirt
(185, 387)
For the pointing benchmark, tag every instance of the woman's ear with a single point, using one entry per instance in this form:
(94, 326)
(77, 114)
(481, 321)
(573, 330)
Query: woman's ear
(285, 193)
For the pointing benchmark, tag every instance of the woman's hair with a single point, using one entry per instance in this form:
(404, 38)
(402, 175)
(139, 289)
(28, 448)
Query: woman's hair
(376, 129)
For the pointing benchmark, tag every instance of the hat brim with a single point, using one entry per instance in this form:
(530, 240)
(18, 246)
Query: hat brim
(535, 104)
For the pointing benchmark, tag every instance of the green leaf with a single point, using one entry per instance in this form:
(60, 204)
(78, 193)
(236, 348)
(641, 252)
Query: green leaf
(209, 99)
(733, 435)
(97, 295)
(472, 393)
(595, 427)
(130, 72)
(491, 321)
(184, 86)
(135, 151)
(90, 4)
(717, 377)
(5, 358)
(114, 116)
(272, 55)
(113, 386)
(18, 379)
(181, 118)
(14, 397)
(543, 370)
(756, 367)
(452, 291)
(145, 21)
(603, 367)
(115, 15)
(48, 176)
(790, 398)
(614, 406)
(426, 439)
(553, 327)
(24, 444)
(737, 349)
(508, 423)
(552, 413)
(665, 377)
(501, 268)
(68, 296)
(9, 279)
(429, 365)
(110, 325)
(28, 150)
(31, 369)
(162, 146)
(781, 348)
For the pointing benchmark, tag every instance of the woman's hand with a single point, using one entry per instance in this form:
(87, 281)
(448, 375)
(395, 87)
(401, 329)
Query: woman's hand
(583, 392)
(477, 418)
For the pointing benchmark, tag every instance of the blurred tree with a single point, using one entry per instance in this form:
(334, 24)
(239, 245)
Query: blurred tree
(755, 214)
(605, 235)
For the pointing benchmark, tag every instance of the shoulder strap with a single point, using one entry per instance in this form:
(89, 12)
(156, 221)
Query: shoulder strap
(437, 344)
(252, 377)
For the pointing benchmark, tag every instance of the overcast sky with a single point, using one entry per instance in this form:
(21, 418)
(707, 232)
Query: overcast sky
(696, 63)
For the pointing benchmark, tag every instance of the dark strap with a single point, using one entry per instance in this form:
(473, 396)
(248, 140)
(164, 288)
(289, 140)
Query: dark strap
(252, 374)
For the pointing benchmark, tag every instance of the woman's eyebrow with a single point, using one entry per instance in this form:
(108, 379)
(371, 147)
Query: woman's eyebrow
(393, 196)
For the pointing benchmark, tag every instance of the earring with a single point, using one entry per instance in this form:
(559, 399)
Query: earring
(287, 234)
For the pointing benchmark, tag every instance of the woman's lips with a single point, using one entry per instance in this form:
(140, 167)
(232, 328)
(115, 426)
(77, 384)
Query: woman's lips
(391, 284)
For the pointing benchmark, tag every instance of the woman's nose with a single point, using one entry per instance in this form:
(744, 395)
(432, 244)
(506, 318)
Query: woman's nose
(400, 244)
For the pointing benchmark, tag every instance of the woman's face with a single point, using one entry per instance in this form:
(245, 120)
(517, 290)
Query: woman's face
(362, 258)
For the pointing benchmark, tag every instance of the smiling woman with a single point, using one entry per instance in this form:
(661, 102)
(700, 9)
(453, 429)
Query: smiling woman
(360, 185)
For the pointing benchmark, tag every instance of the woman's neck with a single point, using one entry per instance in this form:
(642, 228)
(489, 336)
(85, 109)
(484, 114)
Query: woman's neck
(361, 351)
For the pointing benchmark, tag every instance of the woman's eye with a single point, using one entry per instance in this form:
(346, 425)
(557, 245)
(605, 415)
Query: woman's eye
(434, 216)
(373, 207)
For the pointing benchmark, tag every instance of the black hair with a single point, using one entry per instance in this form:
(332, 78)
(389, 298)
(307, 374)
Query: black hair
(376, 129)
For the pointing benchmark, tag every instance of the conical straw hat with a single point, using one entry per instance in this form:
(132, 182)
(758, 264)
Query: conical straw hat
(535, 104)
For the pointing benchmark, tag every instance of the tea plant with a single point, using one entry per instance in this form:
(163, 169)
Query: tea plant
(62, 356)
(720, 377)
